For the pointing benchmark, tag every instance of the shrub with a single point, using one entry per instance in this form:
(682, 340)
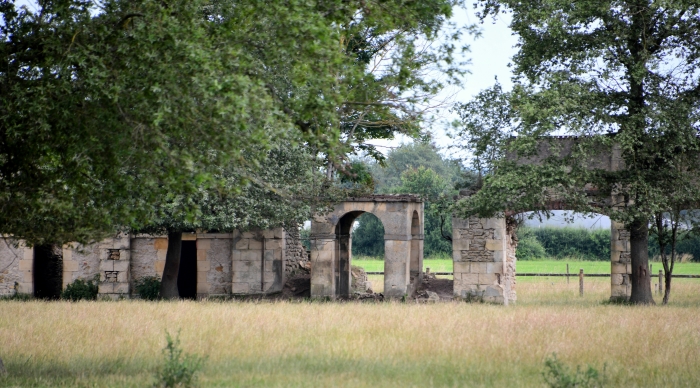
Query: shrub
(558, 375)
(529, 247)
(148, 288)
(81, 289)
(179, 370)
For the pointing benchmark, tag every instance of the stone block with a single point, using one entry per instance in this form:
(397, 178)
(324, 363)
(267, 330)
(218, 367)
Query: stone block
(27, 265)
(27, 277)
(616, 279)
(321, 255)
(203, 243)
(107, 265)
(250, 234)
(628, 268)
(203, 266)
(203, 288)
(254, 244)
(461, 267)
(242, 243)
(494, 267)
(273, 244)
(279, 233)
(617, 291)
(492, 292)
(460, 245)
(202, 277)
(201, 255)
(26, 288)
(240, 288)
(488, 278)
(106, 288)
(119, 265)
(243, 266)
(160, 243)
(494, 245)
(498, 256)
(123, 277)
(28, 253)
(236, 255)
(125, 254)
(617, 268)
(494, 223)
(478, 268)
(121, 288)
(268, 233)
(189, 237)
(469, 279)
(460, 223)
(251, 256)
(245, 276)
(122, 242)
(67, 252)
(159, 267)
(615, 256)
(618, 245)
(456, 255)
(161, 254)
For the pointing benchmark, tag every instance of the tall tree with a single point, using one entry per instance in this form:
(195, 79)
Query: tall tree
(615, 74)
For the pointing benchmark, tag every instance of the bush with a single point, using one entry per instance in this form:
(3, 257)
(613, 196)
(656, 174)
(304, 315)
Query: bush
(81, 289)
(148, 288)
(179, 370)
(558, 375)
(529, 247)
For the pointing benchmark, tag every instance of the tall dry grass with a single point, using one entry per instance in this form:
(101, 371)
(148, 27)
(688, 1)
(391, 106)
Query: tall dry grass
(353, 344)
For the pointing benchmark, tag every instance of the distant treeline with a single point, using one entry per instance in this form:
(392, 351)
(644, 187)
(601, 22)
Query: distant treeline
(584, 244)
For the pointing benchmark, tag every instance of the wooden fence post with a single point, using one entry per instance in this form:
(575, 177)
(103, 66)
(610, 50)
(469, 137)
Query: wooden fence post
(661, 275)
(567, 273)
(580, 282)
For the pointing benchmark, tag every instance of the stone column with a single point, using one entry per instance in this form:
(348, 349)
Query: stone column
(203, 267)
(478, 253)
(26, 269)
(114, 267)
(323, 251)
(397, 275)
(620, 261)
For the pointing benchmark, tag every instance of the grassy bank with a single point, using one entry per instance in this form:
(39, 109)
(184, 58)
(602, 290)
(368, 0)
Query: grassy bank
(118, 344)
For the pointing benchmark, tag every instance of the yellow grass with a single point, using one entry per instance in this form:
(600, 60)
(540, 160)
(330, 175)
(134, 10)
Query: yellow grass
(359, 345)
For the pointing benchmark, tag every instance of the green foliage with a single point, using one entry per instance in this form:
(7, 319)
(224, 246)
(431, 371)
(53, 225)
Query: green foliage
(558, 375)
(580, 243)
(368, 237)
(529, 246)
(81, 290)
(179, 370)
(148, 287)
(17, 297)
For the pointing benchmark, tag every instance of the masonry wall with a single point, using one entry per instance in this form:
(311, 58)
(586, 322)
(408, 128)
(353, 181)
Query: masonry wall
(15, 269)
(258, 261)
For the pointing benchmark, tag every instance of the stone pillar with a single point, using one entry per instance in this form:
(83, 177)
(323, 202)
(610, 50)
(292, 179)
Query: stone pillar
(114, 267)
(478, 252)
(203, 267)
(620, 261)
(397, 275)
(323, 252)
(26, 269)
(161, 247)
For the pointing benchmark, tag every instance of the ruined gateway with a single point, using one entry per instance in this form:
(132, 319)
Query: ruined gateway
(260, 262)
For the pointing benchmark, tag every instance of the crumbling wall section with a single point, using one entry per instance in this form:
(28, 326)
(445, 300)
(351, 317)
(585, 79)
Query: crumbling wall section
(509, 280)
(297, 258)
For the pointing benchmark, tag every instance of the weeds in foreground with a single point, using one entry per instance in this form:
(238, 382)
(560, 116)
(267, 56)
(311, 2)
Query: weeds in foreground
(148, 288)
(558, 375)
(81, 290)
(179, 370)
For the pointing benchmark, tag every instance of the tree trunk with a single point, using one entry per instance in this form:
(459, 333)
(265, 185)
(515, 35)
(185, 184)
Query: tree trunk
(640, 278)
(168, 286)
(667, 288)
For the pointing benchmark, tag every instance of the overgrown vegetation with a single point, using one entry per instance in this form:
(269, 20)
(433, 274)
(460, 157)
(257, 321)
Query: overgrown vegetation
(179, 369)
(559, 375)
(81, 289)
(148, 287)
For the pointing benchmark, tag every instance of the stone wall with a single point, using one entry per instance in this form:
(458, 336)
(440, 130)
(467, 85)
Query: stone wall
(258, 261)
(297, 258)
(15, 268)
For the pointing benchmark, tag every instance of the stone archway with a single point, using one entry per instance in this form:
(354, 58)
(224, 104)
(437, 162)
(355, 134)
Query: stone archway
(331, 245)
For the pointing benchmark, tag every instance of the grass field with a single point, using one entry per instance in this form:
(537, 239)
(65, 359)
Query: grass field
(544, 266)
(392, 344)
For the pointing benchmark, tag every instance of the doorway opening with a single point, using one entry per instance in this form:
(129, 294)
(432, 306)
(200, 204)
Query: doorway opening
(187, 274)
(48, 271)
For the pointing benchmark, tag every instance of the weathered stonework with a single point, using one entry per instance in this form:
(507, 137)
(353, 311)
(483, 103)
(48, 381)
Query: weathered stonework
(15, 268)
(480, 247)
(258, 261)
(297, 256)
(331, 253)
(620, 261)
